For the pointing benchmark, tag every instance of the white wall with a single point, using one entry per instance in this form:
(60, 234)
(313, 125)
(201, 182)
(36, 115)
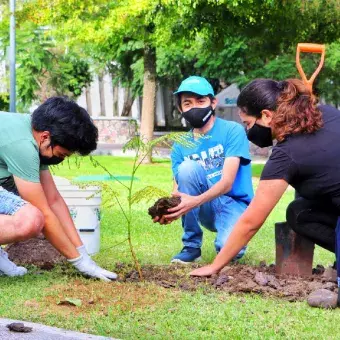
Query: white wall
(108, 93)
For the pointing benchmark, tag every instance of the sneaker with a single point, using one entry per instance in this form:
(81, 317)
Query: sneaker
(8, 267)
(238, 256)
(187, 255)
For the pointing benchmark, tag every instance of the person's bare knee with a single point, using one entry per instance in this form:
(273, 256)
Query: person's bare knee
(29, 222)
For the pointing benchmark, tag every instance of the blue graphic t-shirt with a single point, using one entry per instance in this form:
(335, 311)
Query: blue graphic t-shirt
(225, 139)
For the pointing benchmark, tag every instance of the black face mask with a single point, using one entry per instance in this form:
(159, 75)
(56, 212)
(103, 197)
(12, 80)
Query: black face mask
(197, 117)
(260, 135)
(54, 160)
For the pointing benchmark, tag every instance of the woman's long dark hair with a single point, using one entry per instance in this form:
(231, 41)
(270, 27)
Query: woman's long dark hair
(294, 106)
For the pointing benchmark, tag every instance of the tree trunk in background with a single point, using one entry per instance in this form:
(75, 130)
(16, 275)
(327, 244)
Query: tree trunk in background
(115, 101)
(101, 95)
(128, 101)
(88, 100)
(149, 97)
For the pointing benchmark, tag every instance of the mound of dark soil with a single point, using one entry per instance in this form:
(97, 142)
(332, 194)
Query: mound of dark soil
(36, 251)
(236, 279)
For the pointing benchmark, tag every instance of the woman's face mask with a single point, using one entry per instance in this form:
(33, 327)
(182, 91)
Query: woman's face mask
(260, 135)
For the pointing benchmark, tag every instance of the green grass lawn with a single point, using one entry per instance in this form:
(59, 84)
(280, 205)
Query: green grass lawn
(143, 310)
(257, 169)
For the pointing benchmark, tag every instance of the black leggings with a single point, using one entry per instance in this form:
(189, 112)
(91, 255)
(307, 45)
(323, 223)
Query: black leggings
(314, 220)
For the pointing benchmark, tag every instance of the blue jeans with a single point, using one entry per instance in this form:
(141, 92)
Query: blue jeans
(337, 249)
(218, 215)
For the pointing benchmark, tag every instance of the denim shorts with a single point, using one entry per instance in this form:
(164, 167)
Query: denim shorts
(10, 201)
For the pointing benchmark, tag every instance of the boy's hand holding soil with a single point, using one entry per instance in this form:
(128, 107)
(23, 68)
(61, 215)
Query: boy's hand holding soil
(161, 206)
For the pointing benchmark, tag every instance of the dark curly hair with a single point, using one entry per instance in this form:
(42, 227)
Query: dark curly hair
(294, 106)
(70, 125)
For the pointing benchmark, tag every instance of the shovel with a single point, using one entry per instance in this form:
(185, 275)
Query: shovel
(309, 48)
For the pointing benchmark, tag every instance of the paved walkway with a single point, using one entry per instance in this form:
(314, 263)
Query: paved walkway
(41, 332)
(117, 150)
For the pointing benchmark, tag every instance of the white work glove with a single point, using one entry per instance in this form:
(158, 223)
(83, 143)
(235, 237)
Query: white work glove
(82, 251)
(88, 267)
(9, 268)
(111, 275)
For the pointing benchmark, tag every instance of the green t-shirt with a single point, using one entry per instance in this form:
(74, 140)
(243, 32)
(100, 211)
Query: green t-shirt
(19, 152)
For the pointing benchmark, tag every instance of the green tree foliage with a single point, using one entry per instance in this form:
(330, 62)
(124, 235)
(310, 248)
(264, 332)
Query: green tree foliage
(70, 75)
(43, 69)
(329, 81)
(231, 40)
(237, 41)
(4, 102)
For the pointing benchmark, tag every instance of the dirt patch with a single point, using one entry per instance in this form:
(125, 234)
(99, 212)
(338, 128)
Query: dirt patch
(235, 279)
(162, 283)
(100, 297)
(36, 251)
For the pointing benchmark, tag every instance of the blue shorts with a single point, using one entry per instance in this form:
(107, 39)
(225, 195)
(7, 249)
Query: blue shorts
(10, 201)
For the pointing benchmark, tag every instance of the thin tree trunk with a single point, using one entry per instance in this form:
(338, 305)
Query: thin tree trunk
(149, 97)
(101, 95)
(88, 100)
(115, 101)
(128, 101)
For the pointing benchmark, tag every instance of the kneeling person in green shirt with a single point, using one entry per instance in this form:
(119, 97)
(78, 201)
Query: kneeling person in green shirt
(29, 200)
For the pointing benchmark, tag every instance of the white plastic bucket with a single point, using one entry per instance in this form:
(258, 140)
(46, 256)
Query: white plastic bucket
(84, 206)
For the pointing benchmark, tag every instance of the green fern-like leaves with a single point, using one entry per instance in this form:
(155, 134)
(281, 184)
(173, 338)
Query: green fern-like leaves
(135, 143)
(147, 194)
(186, 139)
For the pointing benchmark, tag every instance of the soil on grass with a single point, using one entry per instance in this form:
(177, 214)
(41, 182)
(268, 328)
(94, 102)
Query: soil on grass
(162, 283)
(36, 251)
(235, 278)
(100, 298)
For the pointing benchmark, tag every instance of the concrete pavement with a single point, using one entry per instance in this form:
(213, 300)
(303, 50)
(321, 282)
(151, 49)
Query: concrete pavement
(42, 332)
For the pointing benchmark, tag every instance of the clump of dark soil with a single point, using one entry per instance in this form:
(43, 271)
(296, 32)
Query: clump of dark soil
(36, 251)
(235, 278)
(162, 205)
(323, 298)
(19, 327)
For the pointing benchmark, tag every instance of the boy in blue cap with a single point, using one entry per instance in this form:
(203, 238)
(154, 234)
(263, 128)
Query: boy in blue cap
(213, 178)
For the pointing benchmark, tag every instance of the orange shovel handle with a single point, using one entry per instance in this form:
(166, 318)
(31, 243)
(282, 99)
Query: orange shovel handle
(309, 48)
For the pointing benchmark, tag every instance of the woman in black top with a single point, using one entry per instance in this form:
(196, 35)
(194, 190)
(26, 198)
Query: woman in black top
(306, 156)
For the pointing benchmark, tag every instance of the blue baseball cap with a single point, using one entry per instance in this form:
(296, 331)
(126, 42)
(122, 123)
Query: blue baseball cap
(197, 85)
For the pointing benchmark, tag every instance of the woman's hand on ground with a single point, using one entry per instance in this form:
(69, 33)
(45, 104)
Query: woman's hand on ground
(204, 271)
(187, 203)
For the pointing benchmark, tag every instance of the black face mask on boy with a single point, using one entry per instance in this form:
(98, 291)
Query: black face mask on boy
(197, 117)
(260, 135)
(54, 160)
